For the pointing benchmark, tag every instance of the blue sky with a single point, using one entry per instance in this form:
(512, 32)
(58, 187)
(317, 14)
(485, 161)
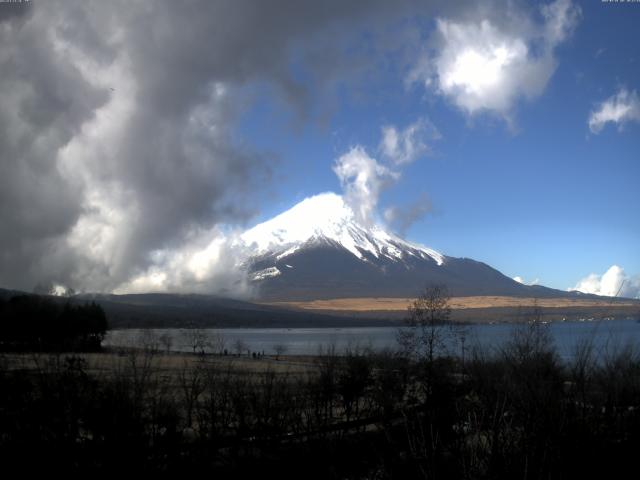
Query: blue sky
(139, 139)
(540, 195)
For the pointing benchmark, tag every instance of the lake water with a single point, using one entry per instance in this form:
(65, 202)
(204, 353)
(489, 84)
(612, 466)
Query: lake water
(605, 335)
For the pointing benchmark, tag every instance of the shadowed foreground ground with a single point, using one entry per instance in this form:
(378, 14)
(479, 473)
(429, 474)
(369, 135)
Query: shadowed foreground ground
(514, 413)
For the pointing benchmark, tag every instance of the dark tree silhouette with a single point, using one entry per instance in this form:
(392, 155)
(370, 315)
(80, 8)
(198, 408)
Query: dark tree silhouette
(31, 322)
(423, 338)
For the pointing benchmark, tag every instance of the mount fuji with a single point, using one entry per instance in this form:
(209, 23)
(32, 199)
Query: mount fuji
(320, 250)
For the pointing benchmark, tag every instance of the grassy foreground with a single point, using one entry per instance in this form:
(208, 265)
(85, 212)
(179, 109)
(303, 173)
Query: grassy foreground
(477, 309)
(456, 303)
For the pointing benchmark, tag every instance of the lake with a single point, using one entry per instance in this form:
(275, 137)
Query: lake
(606, 336)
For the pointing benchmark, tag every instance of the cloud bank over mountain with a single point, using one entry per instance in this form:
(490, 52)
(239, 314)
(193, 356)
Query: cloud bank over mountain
(117, 121)
(521, 280)
(614, 282)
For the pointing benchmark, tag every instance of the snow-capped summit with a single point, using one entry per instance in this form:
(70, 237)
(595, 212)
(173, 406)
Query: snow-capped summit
(319, 250)
(327, 218)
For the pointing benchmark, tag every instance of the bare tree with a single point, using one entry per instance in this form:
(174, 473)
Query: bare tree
(239, 346)
(149, 341)
(167, 341)
(423, 337)
(191, 381)
(217, 342)
(197, 339)
(280, 349)
(461, 333)
(531, 339)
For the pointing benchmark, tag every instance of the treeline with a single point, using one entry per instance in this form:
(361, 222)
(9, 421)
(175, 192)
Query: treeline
(516, 412)
(38, 323)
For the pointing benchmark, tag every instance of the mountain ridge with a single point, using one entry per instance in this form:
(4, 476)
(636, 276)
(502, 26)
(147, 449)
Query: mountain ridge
(318, 249)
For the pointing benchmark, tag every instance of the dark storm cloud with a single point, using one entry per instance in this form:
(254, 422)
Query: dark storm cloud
(43, 102)
(116, 123)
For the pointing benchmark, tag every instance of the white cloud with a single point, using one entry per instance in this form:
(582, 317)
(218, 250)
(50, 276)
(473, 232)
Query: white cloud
(488, 61)
(561, 17)
(521, 280)
(362, 179)
(620, 108)
(613, 282)
(208, 260)
(405, 146)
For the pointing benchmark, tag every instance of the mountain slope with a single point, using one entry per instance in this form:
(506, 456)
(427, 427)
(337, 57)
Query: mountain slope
(319, 250)
(325, 218)
(168, 310)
